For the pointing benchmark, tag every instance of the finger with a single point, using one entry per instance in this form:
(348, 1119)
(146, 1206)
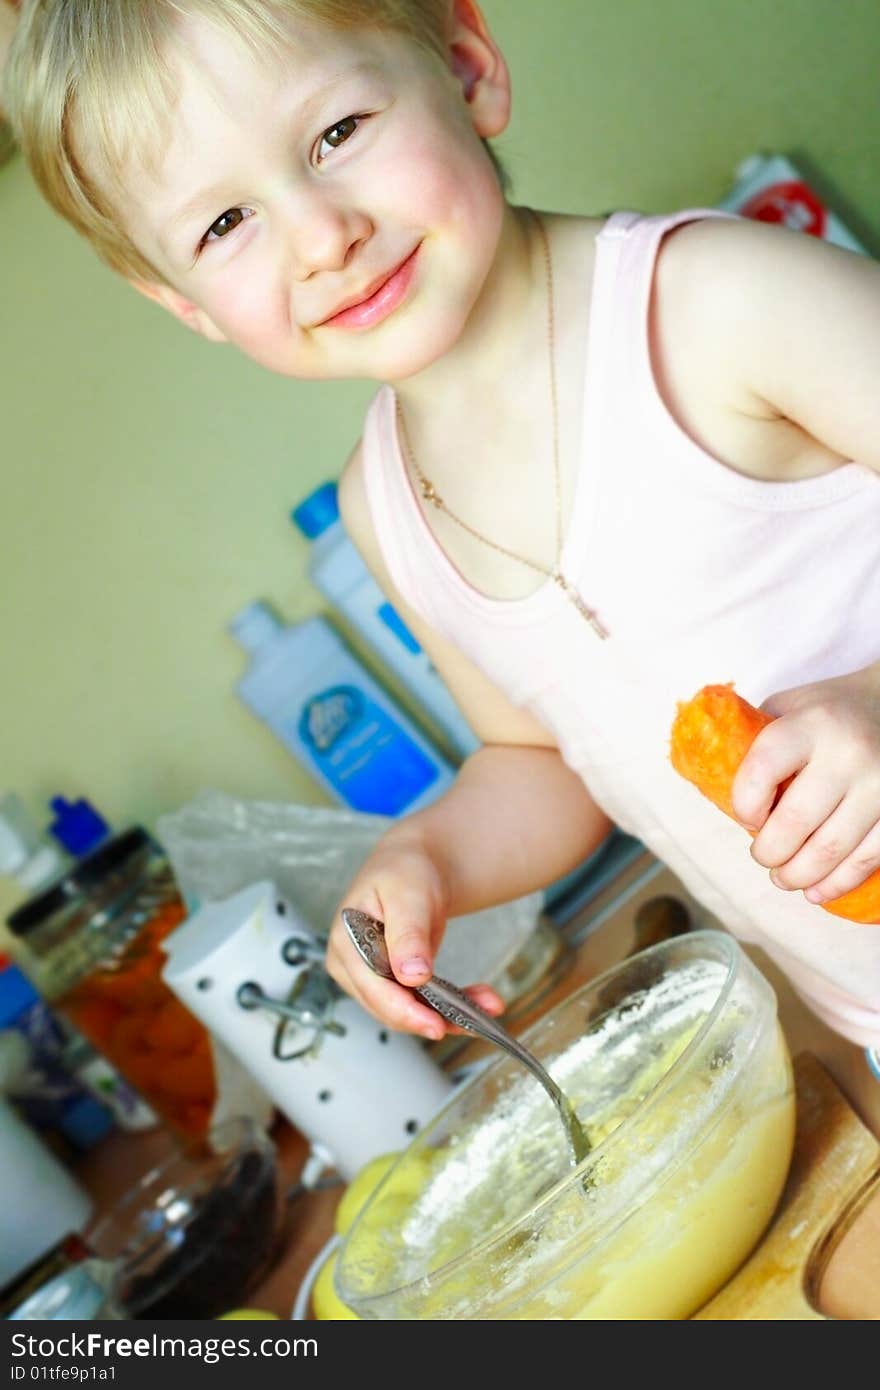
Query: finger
(780, 751)
(402, 1010)
(487, 998)
(409, 936)
(396, 1006)
(806, 805)
(388, 1002)
(831, 843)
(858, 865)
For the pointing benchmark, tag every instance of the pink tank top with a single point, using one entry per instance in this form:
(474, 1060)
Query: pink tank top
(700, 575)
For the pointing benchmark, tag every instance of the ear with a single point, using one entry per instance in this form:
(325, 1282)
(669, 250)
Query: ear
(181, 308)
(479, 66)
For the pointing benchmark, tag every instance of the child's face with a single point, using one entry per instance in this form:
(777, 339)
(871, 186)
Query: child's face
(288, 192)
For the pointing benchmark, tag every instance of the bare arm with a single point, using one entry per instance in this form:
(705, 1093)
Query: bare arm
(515, 819)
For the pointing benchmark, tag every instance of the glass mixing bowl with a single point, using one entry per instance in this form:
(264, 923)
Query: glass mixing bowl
(679, 1071)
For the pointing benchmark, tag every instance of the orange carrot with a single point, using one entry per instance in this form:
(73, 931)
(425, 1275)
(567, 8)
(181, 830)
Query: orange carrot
(191, 1078)
(172, 1028)
(711, 735)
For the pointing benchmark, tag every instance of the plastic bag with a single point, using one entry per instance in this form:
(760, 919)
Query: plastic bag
(218, 845)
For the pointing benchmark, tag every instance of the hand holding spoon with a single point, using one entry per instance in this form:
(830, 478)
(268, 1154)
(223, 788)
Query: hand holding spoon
(368, 935)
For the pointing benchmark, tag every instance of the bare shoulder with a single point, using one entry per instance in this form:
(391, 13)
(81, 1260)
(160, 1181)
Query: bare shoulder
(733, 260)
(749, 323)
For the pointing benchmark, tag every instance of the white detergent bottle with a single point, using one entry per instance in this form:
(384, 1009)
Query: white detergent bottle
(338, 572)
(310, 690)
(42, 1203)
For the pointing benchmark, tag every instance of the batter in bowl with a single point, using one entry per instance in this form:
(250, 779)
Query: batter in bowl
(686, 1092)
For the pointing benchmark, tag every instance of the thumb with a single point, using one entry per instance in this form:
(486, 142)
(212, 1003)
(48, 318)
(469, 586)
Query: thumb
(413, 928)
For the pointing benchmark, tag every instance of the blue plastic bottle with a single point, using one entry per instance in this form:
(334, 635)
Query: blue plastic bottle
(310, 690)
(337, 570)
(51, 1098)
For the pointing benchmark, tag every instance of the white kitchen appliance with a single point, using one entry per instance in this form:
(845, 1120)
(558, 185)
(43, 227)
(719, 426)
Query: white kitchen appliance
(253, 972)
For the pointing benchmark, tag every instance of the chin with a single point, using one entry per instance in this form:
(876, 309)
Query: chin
(417, 350)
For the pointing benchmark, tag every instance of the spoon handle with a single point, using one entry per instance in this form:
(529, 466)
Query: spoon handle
(368, 935)
(460, 1009)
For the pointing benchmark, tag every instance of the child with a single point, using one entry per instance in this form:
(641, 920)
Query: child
(610, 460)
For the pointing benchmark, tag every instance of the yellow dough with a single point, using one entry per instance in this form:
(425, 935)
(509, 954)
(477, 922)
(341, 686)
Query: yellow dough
(326, 1303)
(654, 1248)
(364, 1182)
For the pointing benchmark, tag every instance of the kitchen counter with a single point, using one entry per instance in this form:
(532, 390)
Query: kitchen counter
(608, 928)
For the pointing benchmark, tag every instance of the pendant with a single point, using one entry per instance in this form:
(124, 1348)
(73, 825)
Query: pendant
(430, 493)
(586, 613)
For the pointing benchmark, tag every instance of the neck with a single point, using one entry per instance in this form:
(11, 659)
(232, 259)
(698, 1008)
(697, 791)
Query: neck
(486, 351)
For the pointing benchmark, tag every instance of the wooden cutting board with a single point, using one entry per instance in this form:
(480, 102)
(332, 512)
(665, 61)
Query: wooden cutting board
(832, 1195)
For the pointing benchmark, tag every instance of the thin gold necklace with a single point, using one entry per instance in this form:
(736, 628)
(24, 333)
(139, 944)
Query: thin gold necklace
(430, 493)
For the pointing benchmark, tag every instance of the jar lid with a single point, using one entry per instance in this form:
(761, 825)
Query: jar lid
(85, 875)
(41, 907)
(110, 855)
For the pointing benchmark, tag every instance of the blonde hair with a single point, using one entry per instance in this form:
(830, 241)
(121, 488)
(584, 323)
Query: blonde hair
(101, 67)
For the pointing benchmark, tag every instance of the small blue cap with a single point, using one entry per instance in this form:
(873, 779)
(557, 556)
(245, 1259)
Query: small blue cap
(16, 994)
(77, 826)
(317, 512)
(85, 1120)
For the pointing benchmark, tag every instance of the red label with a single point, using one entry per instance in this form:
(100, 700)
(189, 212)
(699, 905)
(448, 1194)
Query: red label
(793, 204)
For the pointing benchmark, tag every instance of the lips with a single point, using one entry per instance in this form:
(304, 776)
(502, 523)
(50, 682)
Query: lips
(378, 300)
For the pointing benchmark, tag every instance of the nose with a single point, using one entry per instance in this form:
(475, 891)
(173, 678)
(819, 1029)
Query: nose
(324, 235)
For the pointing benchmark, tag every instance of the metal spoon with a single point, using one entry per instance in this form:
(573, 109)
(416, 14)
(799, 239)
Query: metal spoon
(368, 935)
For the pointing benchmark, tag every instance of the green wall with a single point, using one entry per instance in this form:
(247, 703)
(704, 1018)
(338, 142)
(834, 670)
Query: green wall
(147, 476)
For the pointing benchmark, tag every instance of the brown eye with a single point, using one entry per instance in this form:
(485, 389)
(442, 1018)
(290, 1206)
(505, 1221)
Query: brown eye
(337, 134)
(227, 223)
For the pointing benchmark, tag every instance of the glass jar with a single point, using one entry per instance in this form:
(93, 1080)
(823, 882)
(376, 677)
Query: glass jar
(194, 1234)
(97, 936)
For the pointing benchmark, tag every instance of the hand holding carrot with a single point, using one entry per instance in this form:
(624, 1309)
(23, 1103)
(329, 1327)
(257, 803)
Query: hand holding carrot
(802, 774)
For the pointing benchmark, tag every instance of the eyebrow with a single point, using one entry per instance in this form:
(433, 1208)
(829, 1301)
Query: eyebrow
(206, 199)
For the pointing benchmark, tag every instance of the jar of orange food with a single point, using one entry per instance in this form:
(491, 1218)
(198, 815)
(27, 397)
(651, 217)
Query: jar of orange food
(97, 935)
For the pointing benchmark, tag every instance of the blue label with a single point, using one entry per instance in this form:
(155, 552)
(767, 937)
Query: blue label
(373, 763)
(48, 1097)
(392, 619)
